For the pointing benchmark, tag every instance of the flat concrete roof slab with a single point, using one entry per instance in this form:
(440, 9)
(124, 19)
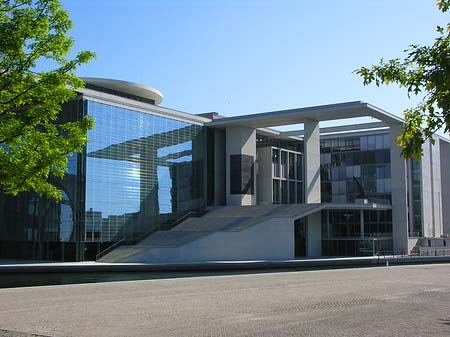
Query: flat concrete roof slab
(300, 115)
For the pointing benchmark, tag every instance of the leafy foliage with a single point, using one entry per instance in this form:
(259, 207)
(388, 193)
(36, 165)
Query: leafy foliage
(425, 71)
(33, 146)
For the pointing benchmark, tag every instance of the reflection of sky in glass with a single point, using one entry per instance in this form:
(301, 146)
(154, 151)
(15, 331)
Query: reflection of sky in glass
(164, 190)
(117, 182)
(114, 186)
(177, 148)
(180, 159)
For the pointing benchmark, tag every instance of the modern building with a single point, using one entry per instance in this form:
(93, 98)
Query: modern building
(160, 185)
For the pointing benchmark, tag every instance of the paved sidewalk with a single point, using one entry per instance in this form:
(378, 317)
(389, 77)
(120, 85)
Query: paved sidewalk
(385, 301)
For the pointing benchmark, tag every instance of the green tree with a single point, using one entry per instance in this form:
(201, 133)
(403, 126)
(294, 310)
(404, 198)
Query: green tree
(424, 71)
(33, 146)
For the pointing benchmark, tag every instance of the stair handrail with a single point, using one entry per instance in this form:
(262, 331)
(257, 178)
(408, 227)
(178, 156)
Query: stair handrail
(147, 233)
(172, 225)
(107, 250)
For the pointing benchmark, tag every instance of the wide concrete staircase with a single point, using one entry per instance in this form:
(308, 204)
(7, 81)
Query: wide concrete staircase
(219, 219)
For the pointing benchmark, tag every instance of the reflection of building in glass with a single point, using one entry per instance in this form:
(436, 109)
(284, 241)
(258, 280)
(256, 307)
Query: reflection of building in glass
(341, 190)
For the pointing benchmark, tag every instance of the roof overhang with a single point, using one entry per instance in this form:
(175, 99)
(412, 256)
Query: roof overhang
(300, 115)
(131, 88)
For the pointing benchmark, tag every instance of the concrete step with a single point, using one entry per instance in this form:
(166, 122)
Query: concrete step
(222, 219)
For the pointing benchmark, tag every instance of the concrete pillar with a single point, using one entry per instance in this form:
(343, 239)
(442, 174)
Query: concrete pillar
(219, 167)
(264, 176)
(436, 188)
(427, 191)
(312, 185)
(431, 190)
(240, 166)
(312, 162)
(314, 230)
(361, 223)
(399, 195)
(444, 151)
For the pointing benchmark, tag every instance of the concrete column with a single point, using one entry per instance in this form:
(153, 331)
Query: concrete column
(240, 141)
(444, 150)
(314, 236)
(399, 195)
(432, 214)
(312, 185)
(436, 188)
(361, 223)
(312, 162)
(264, 176)
(219, 167)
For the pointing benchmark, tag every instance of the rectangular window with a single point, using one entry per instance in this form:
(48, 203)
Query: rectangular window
(284, 165)
(300, 166)
(276, 191)
(371, 142)
(363, 143)
(379, 142)
(276, 162)
(299, 193)
(292, 191)
(386, 141)
(291, 165)
(284, 192)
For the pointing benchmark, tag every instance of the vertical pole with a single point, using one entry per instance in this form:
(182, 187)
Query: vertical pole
(361, 223)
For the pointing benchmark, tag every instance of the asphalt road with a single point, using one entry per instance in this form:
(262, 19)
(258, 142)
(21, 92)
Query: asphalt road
(384, 301)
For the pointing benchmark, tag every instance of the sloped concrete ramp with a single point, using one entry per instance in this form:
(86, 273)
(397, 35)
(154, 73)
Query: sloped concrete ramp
(225, 233)
(238, 233)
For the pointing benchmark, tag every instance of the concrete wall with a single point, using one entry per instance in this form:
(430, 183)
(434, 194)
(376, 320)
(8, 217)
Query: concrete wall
(427, 209)
(399, 195)
(269, 240)
(312, 162)
(437, 193)
(431, 190)
(445, 187)
(264, 175)
(240, 140)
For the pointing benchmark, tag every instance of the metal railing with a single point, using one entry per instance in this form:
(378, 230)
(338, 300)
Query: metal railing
(141, 236)
(434, 251)
(109, 249)
(422, 251)
(392, 253)
(166, 227)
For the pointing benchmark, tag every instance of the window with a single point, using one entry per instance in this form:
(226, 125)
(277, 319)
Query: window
(276, 162)
(291, 165)
(276, 191)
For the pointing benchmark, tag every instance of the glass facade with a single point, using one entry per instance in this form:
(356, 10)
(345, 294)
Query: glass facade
(287, 187)
(142, 171)
(415, 224)
(345, 233)
(34, 227)
(138, 172)
(356, 168)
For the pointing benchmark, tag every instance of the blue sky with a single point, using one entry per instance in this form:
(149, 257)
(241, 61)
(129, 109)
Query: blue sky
(240, 57)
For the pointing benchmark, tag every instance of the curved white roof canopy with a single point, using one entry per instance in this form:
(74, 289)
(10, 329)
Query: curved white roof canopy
(131, 88)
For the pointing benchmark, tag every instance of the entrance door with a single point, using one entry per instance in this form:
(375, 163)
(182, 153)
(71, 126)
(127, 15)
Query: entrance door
(300, 229)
